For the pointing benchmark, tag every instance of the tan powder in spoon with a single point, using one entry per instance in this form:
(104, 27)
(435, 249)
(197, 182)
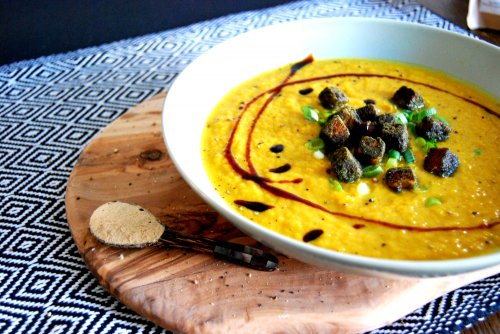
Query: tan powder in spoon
(123, 224)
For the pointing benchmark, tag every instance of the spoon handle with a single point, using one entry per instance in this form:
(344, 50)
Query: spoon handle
(237, 253)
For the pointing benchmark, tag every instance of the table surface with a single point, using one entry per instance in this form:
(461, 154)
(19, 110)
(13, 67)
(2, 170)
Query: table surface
(456, 12)
(51, 107)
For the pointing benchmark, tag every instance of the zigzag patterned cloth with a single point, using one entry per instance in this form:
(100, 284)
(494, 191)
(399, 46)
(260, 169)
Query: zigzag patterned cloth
(51, 107)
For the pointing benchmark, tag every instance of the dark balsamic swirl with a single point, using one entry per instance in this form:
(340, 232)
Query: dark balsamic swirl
(266, 184)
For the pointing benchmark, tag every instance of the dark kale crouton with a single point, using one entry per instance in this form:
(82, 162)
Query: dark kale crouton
(389, 118)
(334, 133)
(441, 162)
(395, 136)
(400, 178)
(345, 166)
(332, 97)
(432, 128)
(407, 98)
(370, 151)
(366, 128)
(350, 117)
(380, 120)
(367, 113)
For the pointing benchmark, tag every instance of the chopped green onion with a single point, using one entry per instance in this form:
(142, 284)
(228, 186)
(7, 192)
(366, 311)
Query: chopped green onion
(324, 116)
(477, 151)
(431, 144)
(318, 155)
(426, 112)
(335, 184)
(315, 144)
(401, 117)
(391, 163)
(425, 145)
(413, 128)
(433, 201)
(408, 155)
(310, 113)
(421, 143)
(362, 189)
(394, 154)
(327, 114)
(417, 116)
(406, 112)
(372, 171)
(421, 188)
(414, 117)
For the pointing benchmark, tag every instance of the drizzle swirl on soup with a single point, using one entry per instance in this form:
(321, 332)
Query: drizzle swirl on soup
(260, 145)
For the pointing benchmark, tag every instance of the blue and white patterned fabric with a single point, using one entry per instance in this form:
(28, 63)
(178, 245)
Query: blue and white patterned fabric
(51, 107)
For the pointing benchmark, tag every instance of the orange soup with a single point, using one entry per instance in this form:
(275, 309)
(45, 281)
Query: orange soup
(258, 150)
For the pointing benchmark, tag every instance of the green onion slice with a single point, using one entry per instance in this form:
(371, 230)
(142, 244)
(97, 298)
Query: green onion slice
(394, 154)
(413, 128)
(327, 114)
(406, 112)
(425, 145)
(477, 151)
(335, 184)
(372, 171)
(401, 117)
(409, 156)
(433, 201)
(315, 144)
(310, 113)
(414, 117)
(391, 163)
(421, 143)
(426, 112)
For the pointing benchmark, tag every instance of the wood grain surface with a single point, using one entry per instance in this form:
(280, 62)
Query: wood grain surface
(189, 292)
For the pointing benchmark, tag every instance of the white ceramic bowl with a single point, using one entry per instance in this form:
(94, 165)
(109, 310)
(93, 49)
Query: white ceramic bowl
(225, 66)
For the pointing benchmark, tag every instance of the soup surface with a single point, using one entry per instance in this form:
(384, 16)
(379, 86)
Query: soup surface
(256, 153)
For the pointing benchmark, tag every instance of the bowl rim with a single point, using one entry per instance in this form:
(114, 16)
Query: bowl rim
(398, 267)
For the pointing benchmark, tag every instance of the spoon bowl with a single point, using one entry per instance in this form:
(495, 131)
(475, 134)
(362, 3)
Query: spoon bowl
(127, 225)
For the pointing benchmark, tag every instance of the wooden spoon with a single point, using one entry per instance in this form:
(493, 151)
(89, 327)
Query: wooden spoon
(128, 225)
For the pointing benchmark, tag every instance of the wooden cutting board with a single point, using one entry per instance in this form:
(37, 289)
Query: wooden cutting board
(189, 292)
